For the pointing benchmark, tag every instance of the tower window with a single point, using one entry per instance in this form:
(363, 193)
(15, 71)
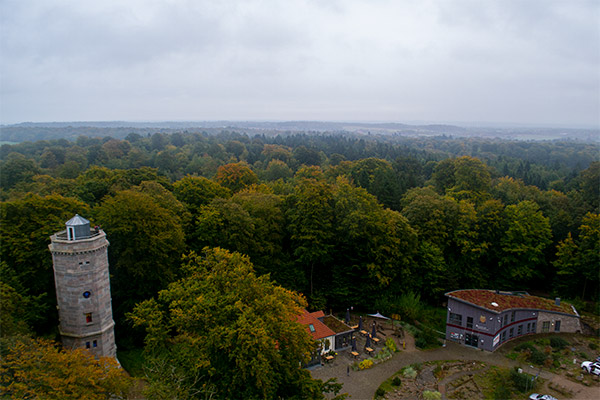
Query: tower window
(95, 343)
(88, 317)
(87, 294)
(87, 345)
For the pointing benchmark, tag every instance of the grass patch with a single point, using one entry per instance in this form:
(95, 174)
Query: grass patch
(504, 383)
(389, 384)
(132, 361)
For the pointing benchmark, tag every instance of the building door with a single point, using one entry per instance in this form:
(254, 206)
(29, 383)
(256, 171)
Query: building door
(471, 340)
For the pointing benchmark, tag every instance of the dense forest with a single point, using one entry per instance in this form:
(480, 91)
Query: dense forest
(344, 219)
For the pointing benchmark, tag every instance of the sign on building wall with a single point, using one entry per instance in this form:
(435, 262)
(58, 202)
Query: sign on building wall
(496, 340)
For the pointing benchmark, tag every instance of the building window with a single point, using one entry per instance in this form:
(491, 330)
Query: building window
(456, 319)
(503, 336)
(311, 327)
(557, 326)
(88, 317)
(520, 330)
(87, 345)
(528, 327)
(469, 322)
(512, 316)
(545, 326)
(512, 332)
(95, 343)
(505, 319)
(327, 344)
(533, 327)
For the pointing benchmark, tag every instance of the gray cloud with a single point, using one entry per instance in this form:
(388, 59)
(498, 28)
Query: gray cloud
(498, 61)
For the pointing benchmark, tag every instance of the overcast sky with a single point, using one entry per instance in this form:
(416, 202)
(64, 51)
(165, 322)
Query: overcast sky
(509, 61)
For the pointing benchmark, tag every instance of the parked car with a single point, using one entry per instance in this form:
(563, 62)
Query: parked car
(536, 396)
(591, 367)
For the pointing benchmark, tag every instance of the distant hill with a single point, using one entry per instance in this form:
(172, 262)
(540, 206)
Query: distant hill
(30, 131)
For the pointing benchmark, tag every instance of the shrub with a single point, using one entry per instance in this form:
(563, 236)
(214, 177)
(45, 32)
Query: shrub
(421, 342)
(502, 393)
(593, 346)
(522, 381)
(526, 346)
(426, 337)
(432, 395)
(409, 372)
(533, 354)
(410, 306)
(396, 381)
(379, 392)
(391, 345)
(365, 364)
(538, 357)
(558, 343)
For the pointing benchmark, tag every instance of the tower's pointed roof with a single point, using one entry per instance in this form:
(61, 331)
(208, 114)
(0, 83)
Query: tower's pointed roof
(77, 220)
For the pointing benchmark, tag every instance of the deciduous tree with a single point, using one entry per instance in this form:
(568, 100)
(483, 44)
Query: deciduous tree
(523, 243)
(39, 369)
(223, 327)
(235, 176)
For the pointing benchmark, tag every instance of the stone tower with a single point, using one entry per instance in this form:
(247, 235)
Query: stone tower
(80, 259)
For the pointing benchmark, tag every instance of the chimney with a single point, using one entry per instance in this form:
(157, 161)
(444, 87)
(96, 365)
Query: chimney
(557, 301)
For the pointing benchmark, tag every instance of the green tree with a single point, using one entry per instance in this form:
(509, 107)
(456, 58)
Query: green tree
(589, 186)
(16, 310)
(379, 178)
(463, 178)
(434, 217)
(16, 168)
(223, 324)
(372, 245)
(589, 253)
(277, 169)
(146, 243)
(524, 241)
(25, 229)
(310, 225)
(577, 261)
(195, 192)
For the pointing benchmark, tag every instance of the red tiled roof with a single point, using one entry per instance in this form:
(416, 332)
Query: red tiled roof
(508, 300)
(321, 330)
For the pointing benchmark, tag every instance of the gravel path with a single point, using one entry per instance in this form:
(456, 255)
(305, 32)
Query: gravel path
(362, 384)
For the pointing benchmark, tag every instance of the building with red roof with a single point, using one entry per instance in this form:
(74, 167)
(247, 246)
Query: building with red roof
(317, 329)
(330, 333)
(488, 318)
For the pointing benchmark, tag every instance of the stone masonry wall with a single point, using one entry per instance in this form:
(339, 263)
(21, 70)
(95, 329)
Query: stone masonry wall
(568, 323)
(81, 266)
